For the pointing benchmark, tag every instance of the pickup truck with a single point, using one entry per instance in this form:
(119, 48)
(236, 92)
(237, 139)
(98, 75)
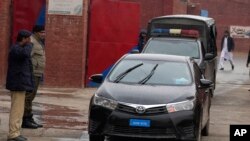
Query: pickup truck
(184, 46)
(192, 35)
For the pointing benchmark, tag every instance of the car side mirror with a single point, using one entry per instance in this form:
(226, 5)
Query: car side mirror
(135, 51)
(206, 83)
(97, 78)
(209, 56)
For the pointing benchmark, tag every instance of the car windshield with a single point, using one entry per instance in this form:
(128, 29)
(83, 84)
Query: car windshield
(151, 73)
(174, 47)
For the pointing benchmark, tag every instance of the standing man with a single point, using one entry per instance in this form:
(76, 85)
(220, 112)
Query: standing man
(248, 57)
(38, 62)
(142, 39)
(227, 47)
(248, 61)
(19, 80)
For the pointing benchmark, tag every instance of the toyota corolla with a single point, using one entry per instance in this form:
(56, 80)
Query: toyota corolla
(151, 96)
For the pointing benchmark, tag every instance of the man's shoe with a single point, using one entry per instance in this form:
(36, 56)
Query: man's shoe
(23, 137)
(29, 125)
(221, 68)
(33, 121)
(232, 67)
(38, 125)
(19, 138)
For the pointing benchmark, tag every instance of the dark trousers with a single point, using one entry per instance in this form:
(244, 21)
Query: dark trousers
(29, 97)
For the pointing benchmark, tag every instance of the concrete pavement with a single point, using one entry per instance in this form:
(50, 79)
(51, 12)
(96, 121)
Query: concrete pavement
(63, 112)
(231, 101)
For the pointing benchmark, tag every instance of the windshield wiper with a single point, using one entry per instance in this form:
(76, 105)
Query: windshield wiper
(144, 80)
(123, 74)
(195, 58)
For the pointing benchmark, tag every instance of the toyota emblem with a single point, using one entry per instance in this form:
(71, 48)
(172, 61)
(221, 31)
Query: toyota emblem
(140, 109)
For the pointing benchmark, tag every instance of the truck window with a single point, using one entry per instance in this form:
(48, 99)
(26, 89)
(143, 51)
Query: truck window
(174, 47)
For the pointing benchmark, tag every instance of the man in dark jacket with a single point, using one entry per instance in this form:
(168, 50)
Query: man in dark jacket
(248, 58)
(227, 47)
(142, 39)
(19, 80)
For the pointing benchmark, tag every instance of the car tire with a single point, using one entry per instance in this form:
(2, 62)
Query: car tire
(96, 138)
(205, 130)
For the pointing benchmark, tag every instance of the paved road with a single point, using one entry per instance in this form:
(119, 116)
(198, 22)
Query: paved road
(64, 111)
(231, 102)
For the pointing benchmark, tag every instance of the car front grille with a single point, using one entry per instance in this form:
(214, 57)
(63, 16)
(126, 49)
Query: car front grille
(125, 108)
(154, 110)
(126, 130)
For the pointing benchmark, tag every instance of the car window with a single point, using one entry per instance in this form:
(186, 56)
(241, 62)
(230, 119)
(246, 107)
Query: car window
(174, 47)
(151, 73)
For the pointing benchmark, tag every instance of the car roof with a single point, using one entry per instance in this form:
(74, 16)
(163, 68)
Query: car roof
(174, 38)
(209, 21)
(157, 57)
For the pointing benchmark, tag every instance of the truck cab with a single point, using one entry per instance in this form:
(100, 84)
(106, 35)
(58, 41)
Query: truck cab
(184, 46)
(185, 35)
(204, 25)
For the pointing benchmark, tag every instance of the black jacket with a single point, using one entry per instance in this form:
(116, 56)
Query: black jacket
(230, 43)
(19, 75)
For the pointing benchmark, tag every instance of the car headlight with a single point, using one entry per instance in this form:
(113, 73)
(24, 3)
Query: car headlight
(104, 102)
(180, 106)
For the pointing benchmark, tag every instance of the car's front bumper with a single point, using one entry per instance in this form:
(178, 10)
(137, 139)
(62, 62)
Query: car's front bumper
(178, 125)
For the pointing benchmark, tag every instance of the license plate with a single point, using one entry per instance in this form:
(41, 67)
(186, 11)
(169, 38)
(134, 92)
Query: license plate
(139, 123)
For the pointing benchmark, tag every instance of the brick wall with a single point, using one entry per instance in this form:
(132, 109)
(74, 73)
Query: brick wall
(153, 8)
(4, 40)
(226, 13)
(66, 49)
(179, 7)
(66, 35)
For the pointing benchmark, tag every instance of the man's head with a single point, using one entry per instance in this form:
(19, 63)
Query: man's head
(226, 33)
(143, 33)
(39, 31)
(23, 37)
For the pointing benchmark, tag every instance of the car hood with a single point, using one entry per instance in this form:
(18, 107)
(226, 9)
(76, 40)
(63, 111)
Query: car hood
(145, 94)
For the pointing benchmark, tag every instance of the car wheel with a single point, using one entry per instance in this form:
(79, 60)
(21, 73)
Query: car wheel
(96, 138)
(205, 130)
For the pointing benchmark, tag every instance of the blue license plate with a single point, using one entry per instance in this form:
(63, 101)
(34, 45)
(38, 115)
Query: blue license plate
(139, 123)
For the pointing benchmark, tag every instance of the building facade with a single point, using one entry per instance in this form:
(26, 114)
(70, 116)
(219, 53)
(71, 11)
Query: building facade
(80, 45)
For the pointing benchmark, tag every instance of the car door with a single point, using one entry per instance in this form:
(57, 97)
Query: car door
(206, 66)
(203, 94)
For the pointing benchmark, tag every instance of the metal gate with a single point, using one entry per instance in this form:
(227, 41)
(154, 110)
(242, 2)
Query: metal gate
(113, 31)
(27, 13)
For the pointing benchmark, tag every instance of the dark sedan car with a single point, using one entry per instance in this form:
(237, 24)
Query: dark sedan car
(151, 96)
